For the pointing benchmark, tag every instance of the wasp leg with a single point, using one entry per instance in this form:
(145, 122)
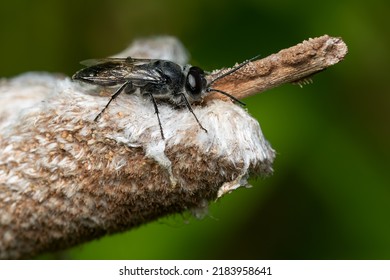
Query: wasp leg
(192, 112)
(157, 113)
(127, 87)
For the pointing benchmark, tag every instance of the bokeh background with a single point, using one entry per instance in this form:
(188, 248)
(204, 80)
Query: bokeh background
(329, 197)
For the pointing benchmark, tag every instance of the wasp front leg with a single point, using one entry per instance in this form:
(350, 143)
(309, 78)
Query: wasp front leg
(188, 105)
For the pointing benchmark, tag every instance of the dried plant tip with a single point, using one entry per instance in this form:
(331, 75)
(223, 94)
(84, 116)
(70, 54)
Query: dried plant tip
(288, 65)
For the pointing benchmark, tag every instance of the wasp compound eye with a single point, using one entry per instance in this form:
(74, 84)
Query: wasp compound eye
(195, 82)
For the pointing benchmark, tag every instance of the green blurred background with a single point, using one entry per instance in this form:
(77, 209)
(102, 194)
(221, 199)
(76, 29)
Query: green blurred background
(329, 197)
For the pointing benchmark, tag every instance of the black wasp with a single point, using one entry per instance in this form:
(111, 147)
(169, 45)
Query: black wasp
(161, 80)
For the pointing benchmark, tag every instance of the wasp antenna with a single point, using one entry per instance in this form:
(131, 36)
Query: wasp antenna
(234, 69)
(227, 94)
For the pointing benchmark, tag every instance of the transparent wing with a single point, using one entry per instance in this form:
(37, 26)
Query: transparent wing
(114, 71)
(128, 60)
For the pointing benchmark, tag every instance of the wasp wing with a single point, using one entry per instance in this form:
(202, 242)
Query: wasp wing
(129, 59)
(114, 71)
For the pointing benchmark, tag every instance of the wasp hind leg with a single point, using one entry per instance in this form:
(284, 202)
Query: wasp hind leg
(126, 87)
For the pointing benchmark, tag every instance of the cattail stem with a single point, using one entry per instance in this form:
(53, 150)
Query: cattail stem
(66, 179)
